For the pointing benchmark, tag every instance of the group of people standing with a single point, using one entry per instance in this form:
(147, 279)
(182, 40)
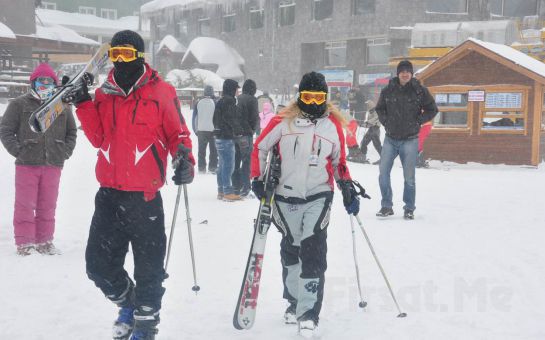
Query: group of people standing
(135, 122)
(227, 127)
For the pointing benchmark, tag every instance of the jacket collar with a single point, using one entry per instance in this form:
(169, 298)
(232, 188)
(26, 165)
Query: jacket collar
(111, 87)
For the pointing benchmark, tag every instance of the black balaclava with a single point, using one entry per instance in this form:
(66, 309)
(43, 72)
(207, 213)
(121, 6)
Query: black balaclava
(126, 74)
(312, 81)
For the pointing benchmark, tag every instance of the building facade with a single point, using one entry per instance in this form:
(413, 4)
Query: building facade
(101, 8)
(281, 40)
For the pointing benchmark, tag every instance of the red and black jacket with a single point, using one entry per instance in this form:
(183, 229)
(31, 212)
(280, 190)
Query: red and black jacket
(134, 132)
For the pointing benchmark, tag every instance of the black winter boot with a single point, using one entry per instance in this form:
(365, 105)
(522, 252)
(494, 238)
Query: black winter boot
(385, 212)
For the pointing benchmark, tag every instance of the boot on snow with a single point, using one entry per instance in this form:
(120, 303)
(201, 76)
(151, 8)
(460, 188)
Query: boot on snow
(146, 320)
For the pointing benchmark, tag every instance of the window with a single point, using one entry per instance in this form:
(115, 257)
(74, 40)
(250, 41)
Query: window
(378, 51)
(513, 8)
(322, 9)
(257, 16)
(108, 13)
(447, 6)
(203, 26)
(49, 5)
(453, 110)
(360, 7)
(182, 28)
(286, 11)
(335, 55)
(228, 23)
(87, 10)
(503, 111)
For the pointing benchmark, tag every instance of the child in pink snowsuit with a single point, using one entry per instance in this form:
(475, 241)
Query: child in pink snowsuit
(38, 164)
(266, 115)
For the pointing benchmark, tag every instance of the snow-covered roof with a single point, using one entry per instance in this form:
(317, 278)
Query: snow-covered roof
(215, 51)
(172, 44)
(177, 77)
(6, 32)
(514, 55)
(159, 5)
(61, 33)
(87, 23)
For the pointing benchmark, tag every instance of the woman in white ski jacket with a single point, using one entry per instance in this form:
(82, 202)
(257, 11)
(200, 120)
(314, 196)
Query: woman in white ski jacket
(311, 143)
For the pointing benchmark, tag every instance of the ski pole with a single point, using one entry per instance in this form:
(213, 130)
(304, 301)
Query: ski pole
(401, 314)
(195, 287)
(172, 228)
(362, 303)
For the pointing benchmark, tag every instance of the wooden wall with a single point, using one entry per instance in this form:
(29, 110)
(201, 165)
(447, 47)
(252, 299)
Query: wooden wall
(472, 146)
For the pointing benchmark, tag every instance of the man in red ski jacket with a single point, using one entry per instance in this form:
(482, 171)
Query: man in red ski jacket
(135, 121)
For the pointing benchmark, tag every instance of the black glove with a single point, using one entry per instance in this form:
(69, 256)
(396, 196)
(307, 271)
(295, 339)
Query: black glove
(79, 91)
(258, 188)
(184, 171)
(351, 200)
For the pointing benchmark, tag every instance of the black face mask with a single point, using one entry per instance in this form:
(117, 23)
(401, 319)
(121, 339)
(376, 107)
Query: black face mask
(313, 111)
(126, 74)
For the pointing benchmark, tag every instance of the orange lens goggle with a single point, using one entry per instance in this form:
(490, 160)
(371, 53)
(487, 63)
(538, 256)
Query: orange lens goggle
(126, 54)
(309, 97)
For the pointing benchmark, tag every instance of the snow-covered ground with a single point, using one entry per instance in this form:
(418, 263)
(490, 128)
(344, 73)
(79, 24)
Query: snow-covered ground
(470, 266)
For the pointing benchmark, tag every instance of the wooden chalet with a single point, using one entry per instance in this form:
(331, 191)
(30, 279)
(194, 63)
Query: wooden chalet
(491, 102)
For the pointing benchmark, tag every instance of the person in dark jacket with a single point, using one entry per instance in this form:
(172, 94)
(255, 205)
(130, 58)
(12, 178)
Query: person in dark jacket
(203, 126)
(39, 158)
(227, 129)
(404, 105)
(134, 121)
(249, 121)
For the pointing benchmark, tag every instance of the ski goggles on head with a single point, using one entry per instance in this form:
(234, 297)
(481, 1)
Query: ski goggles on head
(309, 97)
(126, 54)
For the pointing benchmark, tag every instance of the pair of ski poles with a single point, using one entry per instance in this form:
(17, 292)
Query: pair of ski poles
(195, 287)
(362, 303)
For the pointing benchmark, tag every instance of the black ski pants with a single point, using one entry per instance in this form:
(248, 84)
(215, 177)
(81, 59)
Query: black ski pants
(120, 218)
(372, 135)
(206, 138)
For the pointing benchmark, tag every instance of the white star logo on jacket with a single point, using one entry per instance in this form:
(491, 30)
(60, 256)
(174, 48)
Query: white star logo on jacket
(138, 155)
(106, 153)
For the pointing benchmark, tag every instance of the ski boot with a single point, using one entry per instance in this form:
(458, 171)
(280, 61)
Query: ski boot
(47, 248)
(385, 212)
(289, 314)
(146, 320)
(307, 325)
(124, 324)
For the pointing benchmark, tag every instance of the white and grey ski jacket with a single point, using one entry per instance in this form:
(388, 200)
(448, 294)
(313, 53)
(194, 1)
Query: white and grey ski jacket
(312, 155)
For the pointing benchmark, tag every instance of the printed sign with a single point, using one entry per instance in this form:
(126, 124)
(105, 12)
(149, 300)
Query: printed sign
(475, 96)
(338, 77)
(508, 100)
(369, 78)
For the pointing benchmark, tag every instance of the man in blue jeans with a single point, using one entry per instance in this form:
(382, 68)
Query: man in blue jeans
(402, 107)
(226, 130)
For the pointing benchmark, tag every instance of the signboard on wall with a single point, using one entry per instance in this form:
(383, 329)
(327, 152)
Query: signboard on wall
(508, 100)
(339, 78)
(369, 78)
(475, 96)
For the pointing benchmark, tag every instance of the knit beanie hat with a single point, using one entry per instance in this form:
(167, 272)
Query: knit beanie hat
(404, 65)
(44, 70)
(313, 81)
(128, 37)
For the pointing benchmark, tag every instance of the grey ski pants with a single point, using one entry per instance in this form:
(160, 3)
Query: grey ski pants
(303, 252)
